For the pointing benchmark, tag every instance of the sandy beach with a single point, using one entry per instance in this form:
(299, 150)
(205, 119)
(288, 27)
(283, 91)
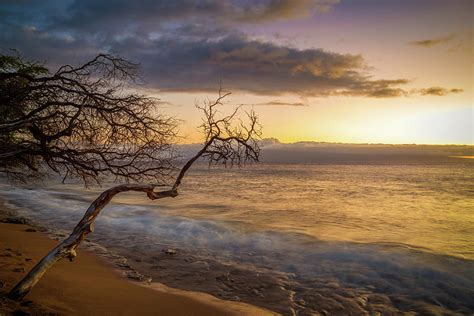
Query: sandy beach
(91, 286)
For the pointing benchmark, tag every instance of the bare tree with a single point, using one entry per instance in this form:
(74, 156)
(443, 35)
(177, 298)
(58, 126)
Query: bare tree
(83, 121)
(228, 140)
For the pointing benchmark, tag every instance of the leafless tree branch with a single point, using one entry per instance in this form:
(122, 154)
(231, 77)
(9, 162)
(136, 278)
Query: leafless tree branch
(81, 122)
(227, 140)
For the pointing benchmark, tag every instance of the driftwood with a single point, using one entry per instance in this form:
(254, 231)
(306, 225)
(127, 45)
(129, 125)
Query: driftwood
(224, 144)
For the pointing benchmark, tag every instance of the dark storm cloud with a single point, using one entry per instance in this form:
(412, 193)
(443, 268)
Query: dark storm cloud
(190, 45)
(85, 23)
(106, 14)
(258, 67)
(52, 49)
(258, 11)
(241, 63)
(250, 65)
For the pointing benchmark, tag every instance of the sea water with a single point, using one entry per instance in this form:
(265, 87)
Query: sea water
(334, 238)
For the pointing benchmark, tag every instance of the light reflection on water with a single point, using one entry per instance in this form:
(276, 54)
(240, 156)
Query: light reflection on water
(397, 229)
(423, 206)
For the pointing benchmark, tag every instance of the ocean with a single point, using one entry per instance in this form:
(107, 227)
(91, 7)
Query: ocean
(296, 238)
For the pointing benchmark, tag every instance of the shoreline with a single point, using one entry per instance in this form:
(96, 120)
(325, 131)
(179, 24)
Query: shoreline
(91, 285)
(331, 278)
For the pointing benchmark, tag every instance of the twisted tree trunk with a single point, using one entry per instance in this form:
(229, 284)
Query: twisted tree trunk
(67, 248)
(224, 143)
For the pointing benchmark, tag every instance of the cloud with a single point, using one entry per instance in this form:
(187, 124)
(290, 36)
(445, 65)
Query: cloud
(438, 91)
(253, 66)
(189, 45)
(433, 41)
(166, 103)
(376, 88)
(280, 103)
(258, 11)
(105, 15)
(51, 48)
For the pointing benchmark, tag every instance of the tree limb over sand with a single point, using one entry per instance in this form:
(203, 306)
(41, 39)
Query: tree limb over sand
(225, 142)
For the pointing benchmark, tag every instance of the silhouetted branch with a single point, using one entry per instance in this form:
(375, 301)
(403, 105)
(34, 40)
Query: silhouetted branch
(81, 122)
(225, 142)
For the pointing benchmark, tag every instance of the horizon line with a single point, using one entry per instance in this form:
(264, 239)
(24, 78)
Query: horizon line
(277, 141)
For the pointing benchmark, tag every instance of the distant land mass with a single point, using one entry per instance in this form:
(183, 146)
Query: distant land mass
(274, 151)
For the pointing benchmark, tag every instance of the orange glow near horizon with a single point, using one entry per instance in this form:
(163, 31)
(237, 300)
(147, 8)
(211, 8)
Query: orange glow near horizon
(394, 49)
(406, 120)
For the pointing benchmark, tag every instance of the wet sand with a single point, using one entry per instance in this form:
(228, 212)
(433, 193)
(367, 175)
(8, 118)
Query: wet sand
(91, 286)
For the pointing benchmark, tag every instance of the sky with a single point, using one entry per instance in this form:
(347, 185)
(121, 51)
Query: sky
(365, 71)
